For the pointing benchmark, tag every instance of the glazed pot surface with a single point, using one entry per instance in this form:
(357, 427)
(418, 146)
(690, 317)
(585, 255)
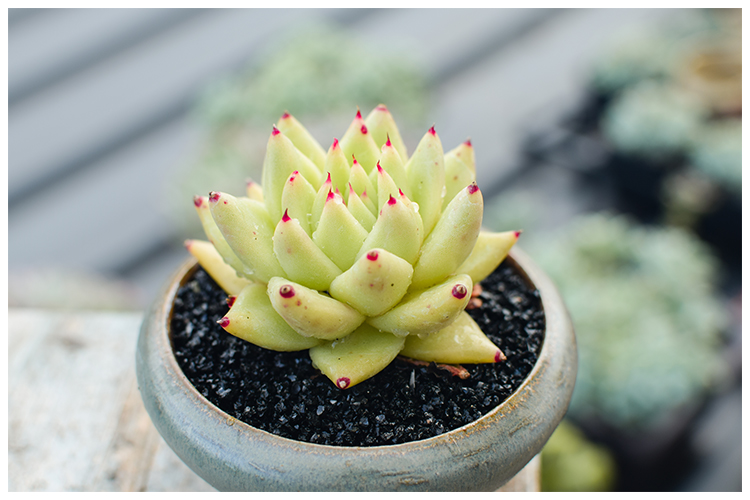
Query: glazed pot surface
(483, 455)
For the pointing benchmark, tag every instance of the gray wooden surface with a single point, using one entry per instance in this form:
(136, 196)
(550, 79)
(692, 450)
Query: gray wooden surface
(99, 99)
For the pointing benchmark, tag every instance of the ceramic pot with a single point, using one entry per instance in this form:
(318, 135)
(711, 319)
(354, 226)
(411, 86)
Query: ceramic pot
(483, 455)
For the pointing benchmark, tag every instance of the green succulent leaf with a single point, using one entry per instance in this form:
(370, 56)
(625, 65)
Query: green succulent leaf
(253, 318)
(382, 126)
(302, 140)
(211, 261)
(311, 313)
(395, 230)
(359, 210)
(216, 238)
(356, 357)
(460, 342)
(428, 310)
(247, 228)
(426, 175)
(375, 283)
(358, 142)
(297, 198)
(452, 240)
(282, 158)
(458, 173)
(489, 251)
(339, 234)
(300, 257)
(338, 167)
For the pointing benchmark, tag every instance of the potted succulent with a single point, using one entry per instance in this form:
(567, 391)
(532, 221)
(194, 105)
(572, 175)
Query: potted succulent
(374, 263)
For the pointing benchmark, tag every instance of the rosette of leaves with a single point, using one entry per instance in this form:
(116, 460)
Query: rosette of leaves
(653, 121)
(357, 253)
(648, 322)
(716, 152)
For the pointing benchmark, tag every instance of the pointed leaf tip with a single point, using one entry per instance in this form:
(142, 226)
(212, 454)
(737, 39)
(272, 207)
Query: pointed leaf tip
(363, 129)
(286, 291)
(388, 140)
(231, 300)
(188, 244)
(459, 291)
(330, 196)
(343, 382)
(275, 131)
(285, 115)
(432, 130)
(198, 200)
(499, 356)
(214, 196)
(468, 142)
(380, 169)
(381, 107)
(518, 234)
(285, 217)
(472, 188)
(224, 322)
(391, 200)
(335, 143)
(359, 113)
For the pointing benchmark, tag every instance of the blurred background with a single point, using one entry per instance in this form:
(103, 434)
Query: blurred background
(611, 137)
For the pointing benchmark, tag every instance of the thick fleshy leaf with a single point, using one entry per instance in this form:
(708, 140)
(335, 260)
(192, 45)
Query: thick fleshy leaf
(357, 357)
(426, 173)
(387, 188)
(428, 310)
(395, 230)
(247, 228)
(489, 251)
(358, 142)
(253, 318)
(319, 202)
(458, 174)
(210, 260)
(339, 234)
(297, 199)
(311, 313)
(393, 163)
(213, 233)
(302, 139)
(374, 284)
(382, 126)
(301, 259)
(359, 210)
(338, 167)
(363, 187)
(460, 342)
(254, 190)
(452, 240)
(282, 158)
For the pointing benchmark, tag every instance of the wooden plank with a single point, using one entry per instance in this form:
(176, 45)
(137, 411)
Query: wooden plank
(84, 117)
(69, 378)
(63, 41)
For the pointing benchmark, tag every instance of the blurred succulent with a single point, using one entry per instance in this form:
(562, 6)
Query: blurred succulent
(653, 121)
(570, 462)
(322, 70)
(716, 152)
(648, 323)
(357, 253)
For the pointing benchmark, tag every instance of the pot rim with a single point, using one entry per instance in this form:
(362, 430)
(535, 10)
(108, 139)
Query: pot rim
(522, 263)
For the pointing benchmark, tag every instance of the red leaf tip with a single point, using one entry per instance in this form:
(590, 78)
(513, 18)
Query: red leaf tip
(330, 196)
(231, 299)
(382, 107)
(286, 291)
(335, 143)
(380, 169)
(214, 196)
(468, 142)
(472, 188)
(518, 234)
(432, 130)
(224, 322)
(459, 291)
(391, 200)
(359, 114)
(388, 140)
(198, 200)
(372, 255)
(285, 115)
(285, 217)
(275, 131)
(343, 382)
(363, 129)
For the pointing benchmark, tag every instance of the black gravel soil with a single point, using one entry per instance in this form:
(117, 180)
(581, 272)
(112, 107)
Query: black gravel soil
(283, 394)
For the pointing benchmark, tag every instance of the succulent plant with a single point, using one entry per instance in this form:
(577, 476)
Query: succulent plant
(358, 253)
(653, 120)
(648, 319)
(716, 152)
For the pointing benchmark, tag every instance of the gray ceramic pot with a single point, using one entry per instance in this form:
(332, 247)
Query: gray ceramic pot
(483, 455)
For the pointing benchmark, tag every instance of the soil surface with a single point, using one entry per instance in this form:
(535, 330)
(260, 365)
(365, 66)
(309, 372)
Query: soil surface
(283, 394)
